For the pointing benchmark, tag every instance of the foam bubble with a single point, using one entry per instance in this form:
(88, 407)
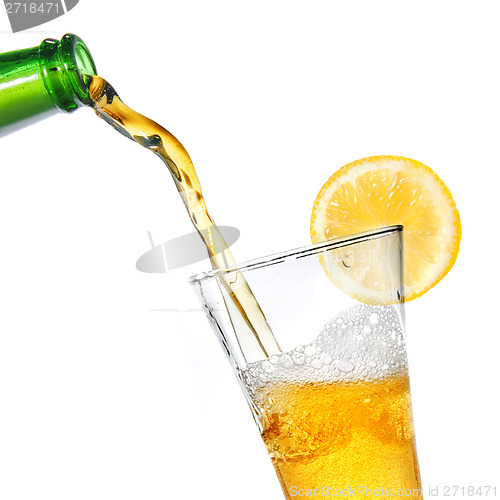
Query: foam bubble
(344, 365)
(298, 358)
(310, 350)
(286, 361)
(316, 363)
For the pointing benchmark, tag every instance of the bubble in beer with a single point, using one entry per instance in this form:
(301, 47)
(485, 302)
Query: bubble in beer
(286, 361)
(345, 366)
(298, 358)
(310, 350)
(267, 367)
(325, 358)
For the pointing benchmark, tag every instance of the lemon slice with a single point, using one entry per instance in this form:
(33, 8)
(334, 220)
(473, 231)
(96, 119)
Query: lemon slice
(383, 191)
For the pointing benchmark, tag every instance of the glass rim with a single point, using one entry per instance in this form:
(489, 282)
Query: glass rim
(297, 253)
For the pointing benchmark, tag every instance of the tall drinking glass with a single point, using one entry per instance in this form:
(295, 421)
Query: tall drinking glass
(333, 403)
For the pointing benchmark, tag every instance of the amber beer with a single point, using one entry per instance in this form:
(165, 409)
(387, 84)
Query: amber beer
(336, 415)
(337, 436)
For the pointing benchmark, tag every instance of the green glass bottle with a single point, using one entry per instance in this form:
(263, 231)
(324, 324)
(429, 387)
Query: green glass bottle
(40, 81)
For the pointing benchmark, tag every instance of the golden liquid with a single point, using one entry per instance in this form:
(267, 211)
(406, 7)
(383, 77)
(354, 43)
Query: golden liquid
(160, 141)
(337, 436)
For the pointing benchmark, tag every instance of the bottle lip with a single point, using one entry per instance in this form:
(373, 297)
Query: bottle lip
(63, 65)
(77, 62)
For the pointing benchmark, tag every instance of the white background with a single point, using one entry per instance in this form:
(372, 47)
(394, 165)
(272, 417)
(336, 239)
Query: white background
(110, 388)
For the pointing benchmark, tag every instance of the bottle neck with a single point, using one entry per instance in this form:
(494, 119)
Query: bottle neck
(39, 81)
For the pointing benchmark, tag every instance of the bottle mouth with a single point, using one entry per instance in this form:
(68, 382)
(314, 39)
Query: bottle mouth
(64, 66)
(78, 62)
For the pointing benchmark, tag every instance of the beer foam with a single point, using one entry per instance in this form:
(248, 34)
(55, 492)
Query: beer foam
(361, 343)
